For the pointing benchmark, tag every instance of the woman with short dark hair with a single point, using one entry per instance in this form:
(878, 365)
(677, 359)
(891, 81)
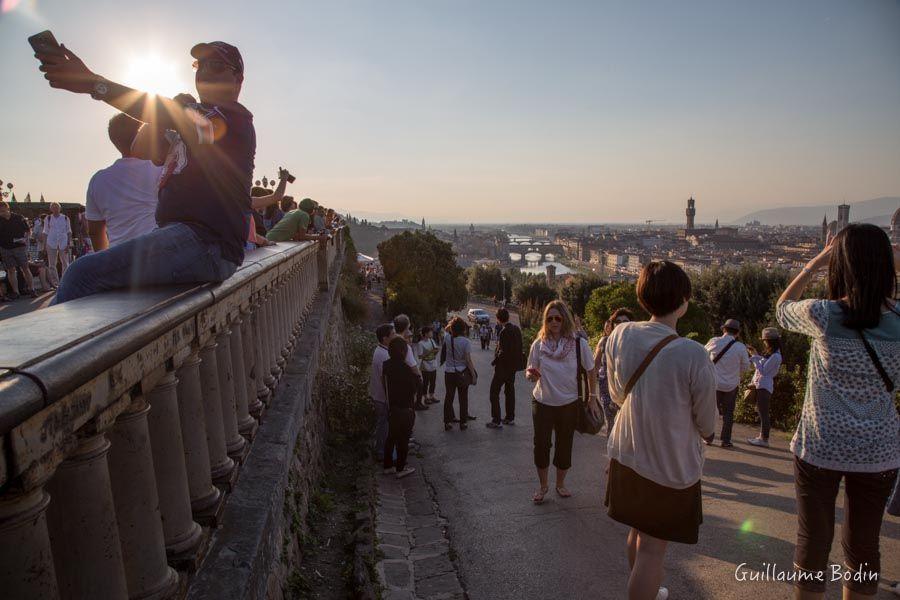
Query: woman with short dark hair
(848, 426)
(459, 373)
(667, 406)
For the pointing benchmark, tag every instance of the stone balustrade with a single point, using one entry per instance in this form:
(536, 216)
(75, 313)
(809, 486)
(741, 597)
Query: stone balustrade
(125, 418)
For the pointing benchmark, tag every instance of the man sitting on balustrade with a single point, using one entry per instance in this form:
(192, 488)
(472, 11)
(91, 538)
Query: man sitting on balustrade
(293, 226)
(204, 192)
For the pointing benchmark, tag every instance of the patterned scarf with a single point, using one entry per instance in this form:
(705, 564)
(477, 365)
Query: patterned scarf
(557, 350)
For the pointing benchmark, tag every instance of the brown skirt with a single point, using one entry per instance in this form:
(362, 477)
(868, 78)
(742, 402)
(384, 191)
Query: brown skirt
(663, 512)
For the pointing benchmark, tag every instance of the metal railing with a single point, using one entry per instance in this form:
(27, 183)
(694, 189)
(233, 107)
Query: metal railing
(124, 419)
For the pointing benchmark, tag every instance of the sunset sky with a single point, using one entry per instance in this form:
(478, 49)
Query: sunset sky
(488, 111)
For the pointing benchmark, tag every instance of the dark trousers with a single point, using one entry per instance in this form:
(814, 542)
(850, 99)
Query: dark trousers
(400, 425)
(507, 380)
(453, 384)
(725, 402)
(866, 496)
(485, 343)
(550, 419)
(429, 380)
(763, 399)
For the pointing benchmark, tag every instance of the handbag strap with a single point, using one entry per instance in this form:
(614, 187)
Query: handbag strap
(722, 353)
(647, 360)
(888, 384)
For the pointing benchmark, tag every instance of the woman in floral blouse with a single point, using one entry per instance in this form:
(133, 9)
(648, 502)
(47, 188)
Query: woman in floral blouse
(849, 428)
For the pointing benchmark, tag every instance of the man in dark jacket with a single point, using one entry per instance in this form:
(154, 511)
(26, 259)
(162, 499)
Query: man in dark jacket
(507, 362)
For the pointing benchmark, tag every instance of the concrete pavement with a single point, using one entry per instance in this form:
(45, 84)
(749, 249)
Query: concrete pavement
(506, 547)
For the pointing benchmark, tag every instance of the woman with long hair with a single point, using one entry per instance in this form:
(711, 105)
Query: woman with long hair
(610, 408)
(667, 406)
(762, 386)
(553, 367)
(459, 373)
(848, 426)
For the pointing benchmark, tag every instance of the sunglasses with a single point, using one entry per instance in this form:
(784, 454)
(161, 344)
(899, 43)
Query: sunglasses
(213, 65)
(554, 319)
(624, 320)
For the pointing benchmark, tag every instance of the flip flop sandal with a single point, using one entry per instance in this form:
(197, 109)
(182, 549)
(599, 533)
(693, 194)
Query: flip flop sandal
(562, 492)
(538, 497)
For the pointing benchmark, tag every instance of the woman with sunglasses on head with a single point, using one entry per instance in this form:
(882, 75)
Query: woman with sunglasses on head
(459, 373)
(619, 316)
(666, 388)
(762, 386)
(848, 426)
(553, 367)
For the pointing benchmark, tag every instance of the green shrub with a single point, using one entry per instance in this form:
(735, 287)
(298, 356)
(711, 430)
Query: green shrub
(350, 411)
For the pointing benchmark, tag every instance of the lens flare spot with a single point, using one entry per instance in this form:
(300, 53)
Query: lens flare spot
(9, 5)
(747, 526)
(151, 73)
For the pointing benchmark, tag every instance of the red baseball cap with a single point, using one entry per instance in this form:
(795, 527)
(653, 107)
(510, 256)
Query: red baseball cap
(226, 52)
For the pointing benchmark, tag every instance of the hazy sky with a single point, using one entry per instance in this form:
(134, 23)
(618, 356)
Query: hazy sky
(497, 111)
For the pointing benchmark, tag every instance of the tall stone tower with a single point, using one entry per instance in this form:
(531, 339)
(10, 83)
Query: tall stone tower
(843, 216)
(824, 229)
(690, 212)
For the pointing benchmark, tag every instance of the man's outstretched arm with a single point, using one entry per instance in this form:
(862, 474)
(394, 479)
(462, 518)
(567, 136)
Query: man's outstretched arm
(66, 71)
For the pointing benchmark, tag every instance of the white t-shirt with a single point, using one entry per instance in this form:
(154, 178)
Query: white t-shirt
(57, 229)
(379, 356)
(558, 384)
(458, 350)
(424, 348)
(124, 195)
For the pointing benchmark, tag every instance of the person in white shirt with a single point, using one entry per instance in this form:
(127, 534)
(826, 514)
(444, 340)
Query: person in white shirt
(384, 333)
(553, 363)
(762, 385)
(57, 234)
(122, 198)
(665, 386)
(730, 358)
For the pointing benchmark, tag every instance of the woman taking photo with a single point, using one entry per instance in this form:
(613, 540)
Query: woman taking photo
(665, 386)
(459, 373)
(553, 366)
(619, 316)
(848, 426)
(762, 386)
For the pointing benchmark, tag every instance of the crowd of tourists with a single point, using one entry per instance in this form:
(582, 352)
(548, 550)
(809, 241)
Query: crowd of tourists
(659, 395)
(179, 206)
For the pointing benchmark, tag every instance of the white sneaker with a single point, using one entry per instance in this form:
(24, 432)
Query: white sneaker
(758, 441)
(406, 471)
(662, 594)
(389, 470)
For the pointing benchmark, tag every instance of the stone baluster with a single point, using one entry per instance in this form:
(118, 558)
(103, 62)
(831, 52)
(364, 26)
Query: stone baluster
(277, 361)
(234, 441)
(81, 519)
(134, 492)
(245, 423)
(26, 560)
(322, 265)
(182, 534)
(284, 322)
(220, 464)
(265, 341)
(204, 495)
(257, 392)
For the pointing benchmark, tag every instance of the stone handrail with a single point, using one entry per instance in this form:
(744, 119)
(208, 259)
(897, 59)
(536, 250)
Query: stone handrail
(125, 416)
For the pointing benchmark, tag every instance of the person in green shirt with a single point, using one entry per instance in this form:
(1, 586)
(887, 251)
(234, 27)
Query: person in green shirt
(292, 227)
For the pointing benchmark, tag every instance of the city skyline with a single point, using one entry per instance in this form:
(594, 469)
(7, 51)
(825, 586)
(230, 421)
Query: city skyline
(471, 113)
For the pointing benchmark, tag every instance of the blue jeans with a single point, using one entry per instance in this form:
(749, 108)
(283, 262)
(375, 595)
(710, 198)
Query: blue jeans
(169, 255)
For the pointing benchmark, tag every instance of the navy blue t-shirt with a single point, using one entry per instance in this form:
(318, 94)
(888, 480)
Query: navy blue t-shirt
(208, 186)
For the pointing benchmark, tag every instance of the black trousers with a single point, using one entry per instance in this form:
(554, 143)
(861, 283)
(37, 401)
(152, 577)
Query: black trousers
(725, 402)
(429, 380)
(507, 380)
(453, 385)
(547, 421)
(763, 400)
(866, 497)
(400, 426)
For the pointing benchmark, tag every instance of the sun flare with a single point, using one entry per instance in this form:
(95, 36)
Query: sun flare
(151, 73)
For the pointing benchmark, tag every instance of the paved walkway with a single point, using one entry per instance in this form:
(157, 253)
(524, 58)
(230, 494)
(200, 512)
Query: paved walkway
(506, 547)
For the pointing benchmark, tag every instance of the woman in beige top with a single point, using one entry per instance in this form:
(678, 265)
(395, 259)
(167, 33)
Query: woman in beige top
(655, 450)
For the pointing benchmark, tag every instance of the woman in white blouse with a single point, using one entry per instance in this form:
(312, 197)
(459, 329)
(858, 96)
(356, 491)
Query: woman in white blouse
(766, 367)
(57, 233)
(553, 367)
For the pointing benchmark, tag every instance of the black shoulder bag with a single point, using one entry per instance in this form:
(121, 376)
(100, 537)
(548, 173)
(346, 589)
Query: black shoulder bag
(466, 376)
(588, 422)
(724, 350)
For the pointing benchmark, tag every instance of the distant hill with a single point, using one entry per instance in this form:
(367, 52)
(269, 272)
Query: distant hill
(870, 211)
